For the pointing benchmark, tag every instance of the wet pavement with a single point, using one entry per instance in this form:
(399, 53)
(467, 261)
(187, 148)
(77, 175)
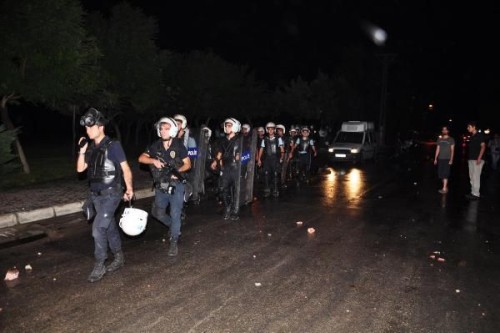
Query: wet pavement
(388, 253)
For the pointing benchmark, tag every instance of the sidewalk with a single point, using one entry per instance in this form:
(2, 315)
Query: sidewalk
(21, 206)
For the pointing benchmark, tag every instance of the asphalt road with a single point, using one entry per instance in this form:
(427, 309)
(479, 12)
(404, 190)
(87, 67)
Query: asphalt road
(367, 266)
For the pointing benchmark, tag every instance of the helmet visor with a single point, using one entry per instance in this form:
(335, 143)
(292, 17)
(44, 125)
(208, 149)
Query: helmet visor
(88, 120)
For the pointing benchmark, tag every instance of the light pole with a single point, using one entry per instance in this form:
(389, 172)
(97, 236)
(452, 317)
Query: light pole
(386, 59)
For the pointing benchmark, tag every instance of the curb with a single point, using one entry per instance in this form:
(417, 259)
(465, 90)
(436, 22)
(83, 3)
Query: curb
(13, 219)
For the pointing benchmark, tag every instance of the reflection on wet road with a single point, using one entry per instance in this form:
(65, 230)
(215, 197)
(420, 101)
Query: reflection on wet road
(341, 183)
(371, 248)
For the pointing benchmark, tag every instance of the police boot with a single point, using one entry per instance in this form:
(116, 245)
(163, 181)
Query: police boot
(173, 249)
(117, 262)
(98, 272)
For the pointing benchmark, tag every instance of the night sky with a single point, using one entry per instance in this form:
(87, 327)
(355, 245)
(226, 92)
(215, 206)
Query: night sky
(447, 48)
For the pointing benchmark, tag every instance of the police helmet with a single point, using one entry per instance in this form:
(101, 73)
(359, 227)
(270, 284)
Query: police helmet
(270, 125)
(93, 117)
(261, 130)
(182, 119)
(246, 126)
(133, 221)
(236, 125)
(173, 126)
(281, 127)
(207, 130)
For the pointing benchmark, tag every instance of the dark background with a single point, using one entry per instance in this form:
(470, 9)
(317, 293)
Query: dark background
(447, 48)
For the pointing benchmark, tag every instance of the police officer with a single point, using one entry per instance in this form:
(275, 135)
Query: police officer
(106, 164)
(271, 154)
(168, 160)
(226, 158)
(305, 149)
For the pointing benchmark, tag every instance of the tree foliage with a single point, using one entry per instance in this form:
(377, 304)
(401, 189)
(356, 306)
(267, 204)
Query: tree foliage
(130, 58)
(203, 85)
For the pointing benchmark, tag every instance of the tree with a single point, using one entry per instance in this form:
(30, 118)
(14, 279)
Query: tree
(42, 49)
(202, 85)
(130, 61)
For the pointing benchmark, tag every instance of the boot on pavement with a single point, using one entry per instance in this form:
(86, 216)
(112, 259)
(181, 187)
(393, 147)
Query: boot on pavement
(173, 249)
(98, 272)
(117, 262)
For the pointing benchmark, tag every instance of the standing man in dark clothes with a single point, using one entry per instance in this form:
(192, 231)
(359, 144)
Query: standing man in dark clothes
(477, 147)
(445, 151)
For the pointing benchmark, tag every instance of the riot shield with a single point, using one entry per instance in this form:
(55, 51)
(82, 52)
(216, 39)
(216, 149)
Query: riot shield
(247, 168)
(198, 158)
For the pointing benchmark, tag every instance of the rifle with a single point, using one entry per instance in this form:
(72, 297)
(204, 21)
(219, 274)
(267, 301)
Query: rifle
(171, 170)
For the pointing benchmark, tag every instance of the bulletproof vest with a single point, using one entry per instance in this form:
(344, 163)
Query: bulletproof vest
(230, 149)
(304, 145)
(272, 148)
(101, 169)
(163, 175)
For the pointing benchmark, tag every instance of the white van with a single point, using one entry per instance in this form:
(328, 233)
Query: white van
(355, 142)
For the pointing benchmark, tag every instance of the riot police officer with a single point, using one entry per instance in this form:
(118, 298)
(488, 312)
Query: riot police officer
(271, 154)
(226, 158)
(306, 150)
(168, 160)
(106, 164)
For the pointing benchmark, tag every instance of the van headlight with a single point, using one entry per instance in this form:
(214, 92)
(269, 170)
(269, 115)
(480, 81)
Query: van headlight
(354, 151)
(331, 150)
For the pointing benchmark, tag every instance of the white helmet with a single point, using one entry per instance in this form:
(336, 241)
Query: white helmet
(261, 129)
(207, 130)
(236, 125)
(270, 124)
(133, 221)
(173, 126)
(282, 127)
(246, 126)
(293, 129)
(182, 119)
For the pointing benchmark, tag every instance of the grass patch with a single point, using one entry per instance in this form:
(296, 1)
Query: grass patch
(43, 170)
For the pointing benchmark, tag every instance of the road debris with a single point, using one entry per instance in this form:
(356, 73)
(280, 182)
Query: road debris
(457, 291)
(299, 223)
(12, 274)
(311, 230)
(28, 268)
(436, 255)
(39, 253)
(258, 284)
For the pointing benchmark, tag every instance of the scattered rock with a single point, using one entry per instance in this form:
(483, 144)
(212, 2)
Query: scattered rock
(12, 274)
